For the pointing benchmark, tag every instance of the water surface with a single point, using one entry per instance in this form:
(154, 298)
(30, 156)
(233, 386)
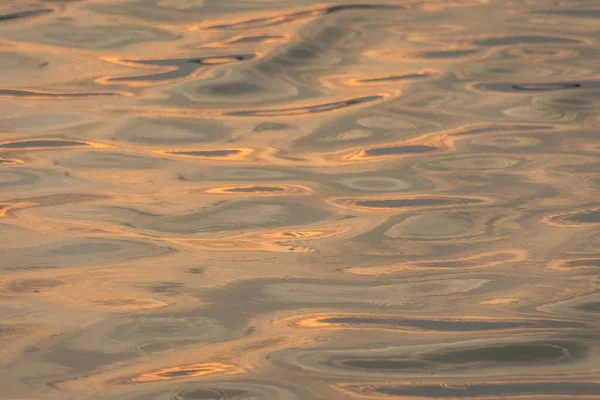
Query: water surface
(276, 199)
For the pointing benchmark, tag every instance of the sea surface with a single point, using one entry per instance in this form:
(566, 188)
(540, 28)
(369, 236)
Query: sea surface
(299, 199)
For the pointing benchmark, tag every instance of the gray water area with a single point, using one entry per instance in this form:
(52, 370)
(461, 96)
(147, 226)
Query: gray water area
(277, 199)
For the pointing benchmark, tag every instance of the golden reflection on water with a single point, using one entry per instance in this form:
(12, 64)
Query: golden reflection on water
(299, 200)
(188, 371)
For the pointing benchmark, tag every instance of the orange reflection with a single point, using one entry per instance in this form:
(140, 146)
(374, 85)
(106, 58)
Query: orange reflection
(259, 190)
(505, 300)
(275, 241)
(5, 208)
(399, 203)
(214, 153)
(188, 371)
(10, 161)
(245, 40)
(305, 234)
(433, 324)
(248, 244)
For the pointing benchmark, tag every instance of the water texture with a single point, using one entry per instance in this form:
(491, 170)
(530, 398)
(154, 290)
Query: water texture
(299, 199)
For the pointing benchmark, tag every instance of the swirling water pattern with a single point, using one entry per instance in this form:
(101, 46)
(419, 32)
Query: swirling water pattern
(276, 199)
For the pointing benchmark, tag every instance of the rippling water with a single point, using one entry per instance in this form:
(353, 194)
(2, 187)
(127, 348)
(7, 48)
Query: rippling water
(294, 199)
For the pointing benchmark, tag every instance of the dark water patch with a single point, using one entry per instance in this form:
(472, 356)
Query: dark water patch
(42, 143)
(590, 13)
(33, 285)
(101, 159)
(253, 189)
(94, 37)
(32, 268)
(180, 68)
(394, 78)
(171, 131)
(271, 126)
(182, 62)
(545, 86)
(244, 174)
(570, 101)
(398, 150)
(417, 202)
(589, 217)
(592, 307)
(374, 183)
(584, 168)
(389, 364)
(165, 287)
(495, 390)
(237, 389)
(239, 88)
(517, 40)
(88, 248)
(448, 53)
(7, 331)
(474, 162)
(24, 14)
(206, 153)
(514, 353)
(301, 54)
(183, 372)
(293, 17)
(157, 329)
(426, 226)
(80, 360)
(212, 394)
(79, 252)
(18, 179)
(33, 94)
(503, 128)
(40, 121)
(583, 263)
(314, 109)
(446, 325)
(360, 129)
(400, 203)
(527, 87)
(154, 12)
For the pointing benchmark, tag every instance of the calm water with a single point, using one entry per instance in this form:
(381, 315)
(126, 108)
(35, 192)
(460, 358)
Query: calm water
(294, 199)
